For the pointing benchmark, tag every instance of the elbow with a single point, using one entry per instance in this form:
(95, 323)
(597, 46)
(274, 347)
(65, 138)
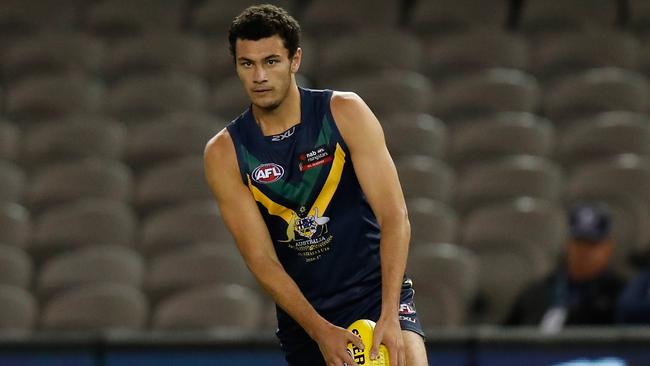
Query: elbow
(398, 219)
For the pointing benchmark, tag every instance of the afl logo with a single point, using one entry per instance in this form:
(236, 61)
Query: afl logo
(268, 173)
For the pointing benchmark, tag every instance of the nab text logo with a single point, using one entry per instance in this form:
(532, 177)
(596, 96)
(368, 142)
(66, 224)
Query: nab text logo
(268, 173)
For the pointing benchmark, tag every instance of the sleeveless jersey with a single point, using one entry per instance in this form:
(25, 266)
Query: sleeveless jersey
(323, 229)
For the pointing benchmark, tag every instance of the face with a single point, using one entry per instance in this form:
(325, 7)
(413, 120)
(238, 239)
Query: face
(265, 69)
(587, 260)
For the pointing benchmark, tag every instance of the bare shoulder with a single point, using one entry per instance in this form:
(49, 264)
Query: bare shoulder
(346, 103)
(220, 146)
(353, 117)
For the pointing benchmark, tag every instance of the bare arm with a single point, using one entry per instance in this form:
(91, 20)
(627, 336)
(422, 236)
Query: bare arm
(242, 217)
(378, 178)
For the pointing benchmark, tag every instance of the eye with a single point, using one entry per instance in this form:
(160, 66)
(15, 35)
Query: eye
(272, 62)
(246, 63)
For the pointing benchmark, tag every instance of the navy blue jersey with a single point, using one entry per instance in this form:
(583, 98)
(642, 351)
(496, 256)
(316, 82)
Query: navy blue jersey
(323, 229)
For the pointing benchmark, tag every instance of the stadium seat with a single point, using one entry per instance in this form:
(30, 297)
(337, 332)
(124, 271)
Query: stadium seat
(383, 49)
(461, 54)
(157, 52)
(606, 134)
(213, 17)
(73, 137)
(16, 267)
(15, 224)
(181, 225)
(433, 265)
(427, 177)
(594, 91)
(432, 221)
(390, 92)
(506, 133)
(53, 54)
(523, 221)
(440, 309)
(51, 97)
(88, 178)
(18, 309)
(484, 93)
(9, 140)
(504, 271)
(229, 99)
(96, 307)
(80, 224)
(12, 182)
(194, 309)
(414, 134)
(17, 20)
(170, 182)
(558, 56)
(508, 177)
(90, 265)
(119, 18)
(542, 16)
(435, 17)
(327, 19)
(170, 136)
(211, 263)
(144, 97)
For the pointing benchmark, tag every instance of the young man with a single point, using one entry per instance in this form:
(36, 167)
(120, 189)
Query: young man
(305, 184)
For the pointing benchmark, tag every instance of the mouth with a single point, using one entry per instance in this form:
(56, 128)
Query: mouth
(261, 90)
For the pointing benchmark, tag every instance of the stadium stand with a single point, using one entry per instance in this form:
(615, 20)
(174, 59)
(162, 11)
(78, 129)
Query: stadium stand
(15, 224)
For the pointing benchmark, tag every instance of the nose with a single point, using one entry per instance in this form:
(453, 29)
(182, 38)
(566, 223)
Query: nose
(259, 75)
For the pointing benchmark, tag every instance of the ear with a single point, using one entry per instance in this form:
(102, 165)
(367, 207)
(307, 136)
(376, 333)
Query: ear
(295, 61)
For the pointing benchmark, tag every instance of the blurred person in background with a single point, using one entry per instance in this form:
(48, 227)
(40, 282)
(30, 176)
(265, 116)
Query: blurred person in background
(306, 185)
(583, 290)
(634, 303)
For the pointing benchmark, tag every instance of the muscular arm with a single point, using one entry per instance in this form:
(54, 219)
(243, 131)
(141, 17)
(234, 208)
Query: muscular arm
(243, 219)
(378, 178)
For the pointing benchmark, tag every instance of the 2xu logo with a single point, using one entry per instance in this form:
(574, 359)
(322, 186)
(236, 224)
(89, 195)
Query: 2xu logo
(268, 173)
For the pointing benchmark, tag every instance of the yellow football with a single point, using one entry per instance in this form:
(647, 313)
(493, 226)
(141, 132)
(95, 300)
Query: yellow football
(365, 329)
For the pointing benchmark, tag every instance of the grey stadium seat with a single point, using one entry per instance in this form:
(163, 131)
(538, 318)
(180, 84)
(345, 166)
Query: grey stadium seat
(173, 181)
(508, 177)
(101, 306)
(80, 224)
(524, 221)
(446, 278)
(140, 97)
(211, 263)
(539, 16)
(118, 18)
(16, 267)
(486, 92)
(90, 265)
(434, 17)
(156, 52)
(606, 134)
(390, 92)
(427, 177)
(414, 134)
(464, 53)
(213, 17)
(51, 97)
(432, 221)
(383, 49)
(595, 91)
(15, 224)
(506, 133)
(16, 19)
(194, 309)
(170, 136)
(9, 140)
(181, 225)
(54, 53)
(73, 137)
(18, 309)
(88, 178)
(639, 11)
(12, 182)
(558, 56)
(228, 98)
(328, 19)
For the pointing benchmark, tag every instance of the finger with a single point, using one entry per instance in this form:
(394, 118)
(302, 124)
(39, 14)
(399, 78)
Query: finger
(349, 360)
(394, 355)
(376, 341)
(356, 340)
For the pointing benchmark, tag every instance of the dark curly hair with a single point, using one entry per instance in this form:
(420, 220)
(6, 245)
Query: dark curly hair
(262, 21)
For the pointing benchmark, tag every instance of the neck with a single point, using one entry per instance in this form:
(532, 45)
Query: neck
(281, 118)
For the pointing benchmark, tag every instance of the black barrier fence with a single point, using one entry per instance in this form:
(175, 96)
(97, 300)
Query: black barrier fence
(460, 347)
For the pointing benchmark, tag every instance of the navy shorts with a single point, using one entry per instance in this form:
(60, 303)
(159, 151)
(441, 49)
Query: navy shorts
(302, 350)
